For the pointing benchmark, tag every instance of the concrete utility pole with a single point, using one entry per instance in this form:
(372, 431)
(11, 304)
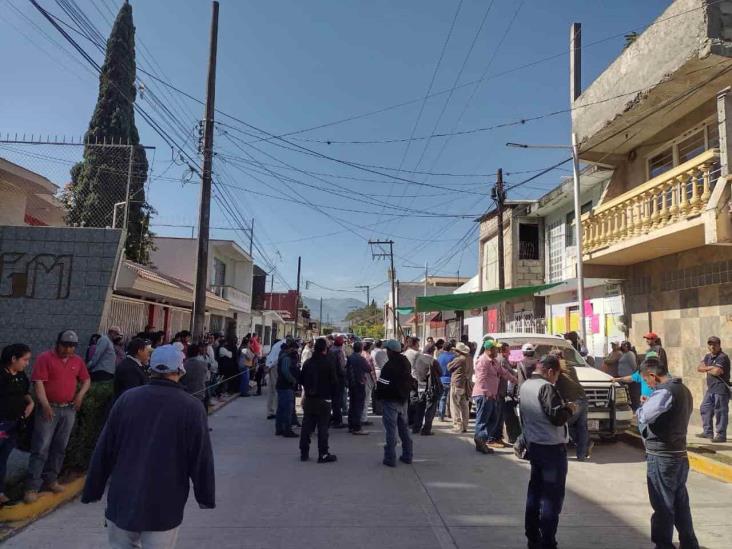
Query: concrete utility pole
(320, 317)
(424, 315)
(251, 238)
(499, 196)
(392, 274)
(368, 296)
(199, 304)
(297, 299)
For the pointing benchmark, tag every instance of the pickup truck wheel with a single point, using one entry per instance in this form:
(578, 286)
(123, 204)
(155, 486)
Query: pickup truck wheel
(608, 438)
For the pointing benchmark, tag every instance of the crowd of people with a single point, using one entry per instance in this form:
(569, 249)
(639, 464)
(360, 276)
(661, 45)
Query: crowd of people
(153, 420)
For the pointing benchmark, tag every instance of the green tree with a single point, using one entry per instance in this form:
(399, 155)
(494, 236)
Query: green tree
(99, 181)
(367, 321)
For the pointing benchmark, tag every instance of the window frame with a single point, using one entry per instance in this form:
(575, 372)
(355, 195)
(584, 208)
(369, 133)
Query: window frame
(704, 126)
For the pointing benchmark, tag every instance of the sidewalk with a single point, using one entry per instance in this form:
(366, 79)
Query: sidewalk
(451, 497)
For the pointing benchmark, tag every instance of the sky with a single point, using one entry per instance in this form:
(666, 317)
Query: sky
(390, 74)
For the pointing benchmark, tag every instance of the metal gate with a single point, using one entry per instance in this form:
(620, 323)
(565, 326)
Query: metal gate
(128, 314)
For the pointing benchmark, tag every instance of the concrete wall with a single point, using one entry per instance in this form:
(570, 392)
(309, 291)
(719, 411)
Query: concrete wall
(12, 206)
(684, 298)
(52, 279)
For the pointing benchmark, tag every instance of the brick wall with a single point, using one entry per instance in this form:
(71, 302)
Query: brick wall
(52, 279)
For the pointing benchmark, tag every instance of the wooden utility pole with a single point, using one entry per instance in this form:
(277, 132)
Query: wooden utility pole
(204, 218)
(320, 317)
(499, 196)
(297, 299)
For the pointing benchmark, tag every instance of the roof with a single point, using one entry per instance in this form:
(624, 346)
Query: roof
(475, 300)
(28, 180)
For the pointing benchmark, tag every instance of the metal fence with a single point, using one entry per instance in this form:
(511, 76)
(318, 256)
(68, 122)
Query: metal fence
(526, 324)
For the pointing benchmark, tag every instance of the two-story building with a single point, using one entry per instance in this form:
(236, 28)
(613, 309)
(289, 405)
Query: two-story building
(661, 117)
(28, 198)
(230, 271)
(291, 309)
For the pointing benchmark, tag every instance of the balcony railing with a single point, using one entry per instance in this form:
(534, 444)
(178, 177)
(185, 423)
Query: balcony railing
(239, 299)
(676, 195)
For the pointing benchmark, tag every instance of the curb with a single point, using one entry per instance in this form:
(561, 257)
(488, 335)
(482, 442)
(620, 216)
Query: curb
(697, 462)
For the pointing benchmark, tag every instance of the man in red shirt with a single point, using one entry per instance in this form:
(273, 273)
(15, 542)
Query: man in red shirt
(56, 374)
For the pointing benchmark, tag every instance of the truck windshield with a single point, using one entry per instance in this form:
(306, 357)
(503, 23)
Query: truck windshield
(570, 354)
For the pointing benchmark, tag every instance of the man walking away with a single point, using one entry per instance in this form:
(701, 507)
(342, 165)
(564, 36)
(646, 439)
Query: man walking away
(461, 372)
(155, 443)
(662, 422)
(392, 389)
(488, 375)
(288, 373)
(338, 356)
(55, 376)
(421, 370)
(130, 373)
(357, 370)
(570, 390)
(544, 415)
(196, 369)
(370, 382)
(319, 380)
(444, 357)
(715, 406)
(104, 360)
(271, 367)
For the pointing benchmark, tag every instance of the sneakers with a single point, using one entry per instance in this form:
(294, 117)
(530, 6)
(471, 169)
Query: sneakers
(31, 496)
(55, 487)
(719, 439)
(327, 458)
(406, 460)
(362, 433)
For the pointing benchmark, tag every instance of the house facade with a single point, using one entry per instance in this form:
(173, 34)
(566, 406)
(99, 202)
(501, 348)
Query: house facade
(28, 198)
(660, 116)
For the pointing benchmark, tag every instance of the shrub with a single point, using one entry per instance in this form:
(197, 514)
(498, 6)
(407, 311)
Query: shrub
(89, 423)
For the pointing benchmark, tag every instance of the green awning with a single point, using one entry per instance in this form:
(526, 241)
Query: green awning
(475, 300)
(405, 310)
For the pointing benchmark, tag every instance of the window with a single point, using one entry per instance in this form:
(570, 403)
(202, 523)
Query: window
(490, 264)
(528, 241)
(267, 335)
(684, 148)
(556, 240)
(569, 232)
(219, 272)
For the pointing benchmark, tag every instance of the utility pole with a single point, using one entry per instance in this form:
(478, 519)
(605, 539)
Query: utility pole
(204, 218)
(424, 315)
(271, 282)
(381, 253)
(251, 238)
(297, 299)
(368, 296)
(320, 317)
(498, 194)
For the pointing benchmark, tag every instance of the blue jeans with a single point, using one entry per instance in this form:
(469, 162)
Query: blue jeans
(578, 429)
(395, 420)
(545, 497)
(715, 408)
(244, 382)
(442, 405)
(285, 404)
(7, 444)
(486, 418)
(48, 446)
(670, 501)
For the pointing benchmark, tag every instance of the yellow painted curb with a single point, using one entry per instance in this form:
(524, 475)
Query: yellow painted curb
(710, 467)
(47, 501)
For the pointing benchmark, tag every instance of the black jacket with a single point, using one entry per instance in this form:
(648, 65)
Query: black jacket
(128, 375)
(155, 442)
(319, 378)
(395, 380)
(288, 371)
(664, 419)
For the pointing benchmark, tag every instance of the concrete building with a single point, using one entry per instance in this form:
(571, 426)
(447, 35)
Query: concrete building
(661, 117)
(289, 306)
(28, 198)
(523, 258)
(230, 270)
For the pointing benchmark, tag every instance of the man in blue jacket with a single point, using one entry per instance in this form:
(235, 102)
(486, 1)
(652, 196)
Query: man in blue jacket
(154, 444)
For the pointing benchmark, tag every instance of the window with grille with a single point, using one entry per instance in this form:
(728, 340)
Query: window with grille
(691, 146)
(556, 239)
(528, 241)
(490, 262)
(660, 163)
(684, 148)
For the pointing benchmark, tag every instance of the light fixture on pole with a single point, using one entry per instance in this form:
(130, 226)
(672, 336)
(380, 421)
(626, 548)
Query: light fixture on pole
(577, 223)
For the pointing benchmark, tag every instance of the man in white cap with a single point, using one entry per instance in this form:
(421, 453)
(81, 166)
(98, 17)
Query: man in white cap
(56, 374)
(104, 361)
(155, 443)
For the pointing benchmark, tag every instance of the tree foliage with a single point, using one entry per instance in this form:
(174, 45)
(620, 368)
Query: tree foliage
(367, 321)
(99, 181)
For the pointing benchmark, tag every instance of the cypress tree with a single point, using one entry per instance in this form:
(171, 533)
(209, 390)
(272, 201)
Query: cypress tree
(99, 181)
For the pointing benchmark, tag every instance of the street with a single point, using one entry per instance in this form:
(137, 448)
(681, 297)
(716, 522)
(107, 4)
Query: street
(451, 497)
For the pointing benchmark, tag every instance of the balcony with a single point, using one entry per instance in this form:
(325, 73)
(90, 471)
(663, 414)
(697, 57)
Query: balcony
(240, 301)
(660, 217)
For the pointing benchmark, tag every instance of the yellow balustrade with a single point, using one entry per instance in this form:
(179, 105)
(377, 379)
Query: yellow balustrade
(672, 196)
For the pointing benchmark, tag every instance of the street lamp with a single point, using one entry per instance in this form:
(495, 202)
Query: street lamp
(577, 222)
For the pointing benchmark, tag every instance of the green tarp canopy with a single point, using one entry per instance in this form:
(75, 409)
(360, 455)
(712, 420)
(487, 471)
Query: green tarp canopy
(475, 300)
(405, 310)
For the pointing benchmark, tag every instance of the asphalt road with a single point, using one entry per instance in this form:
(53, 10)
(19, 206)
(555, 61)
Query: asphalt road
(450, 497)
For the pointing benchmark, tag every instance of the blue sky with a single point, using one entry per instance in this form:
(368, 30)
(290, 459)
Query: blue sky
(289, 65)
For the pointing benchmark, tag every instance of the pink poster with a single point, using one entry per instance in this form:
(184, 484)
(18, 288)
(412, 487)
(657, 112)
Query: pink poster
(588, 308)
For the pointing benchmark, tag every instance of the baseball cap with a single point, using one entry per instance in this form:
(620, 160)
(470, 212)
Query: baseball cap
(166, 359)
(651, 335)
(651, 354)
(550, 362)
(392, 345)
(68, 336)
(713, 340)
(528, 348)
(489, 344)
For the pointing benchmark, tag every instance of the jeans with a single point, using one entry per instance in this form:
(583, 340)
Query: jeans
(285, 404)
(486, 418)
(337, 414)
(6, 446)
(316, 415)
(513, 425)
(578, 429)
(124, 539)
(272, 391)
(244, 382)
(442, 404)
(545, 497)
(369, 394)
(497, 433)
(48, 446)
(395, 420)
(670, 501)
(357, 395)
(715, 408)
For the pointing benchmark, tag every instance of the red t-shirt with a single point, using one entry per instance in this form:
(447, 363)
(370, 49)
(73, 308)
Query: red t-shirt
(59, 376)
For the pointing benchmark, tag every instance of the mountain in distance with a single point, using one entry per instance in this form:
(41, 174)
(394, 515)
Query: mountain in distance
(334, 309)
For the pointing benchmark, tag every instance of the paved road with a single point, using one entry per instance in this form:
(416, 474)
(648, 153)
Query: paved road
(450, 497)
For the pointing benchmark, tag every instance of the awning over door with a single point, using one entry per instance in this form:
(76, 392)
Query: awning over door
(475, 300)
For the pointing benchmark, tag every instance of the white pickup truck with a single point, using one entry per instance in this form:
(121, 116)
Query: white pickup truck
(609, 405)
